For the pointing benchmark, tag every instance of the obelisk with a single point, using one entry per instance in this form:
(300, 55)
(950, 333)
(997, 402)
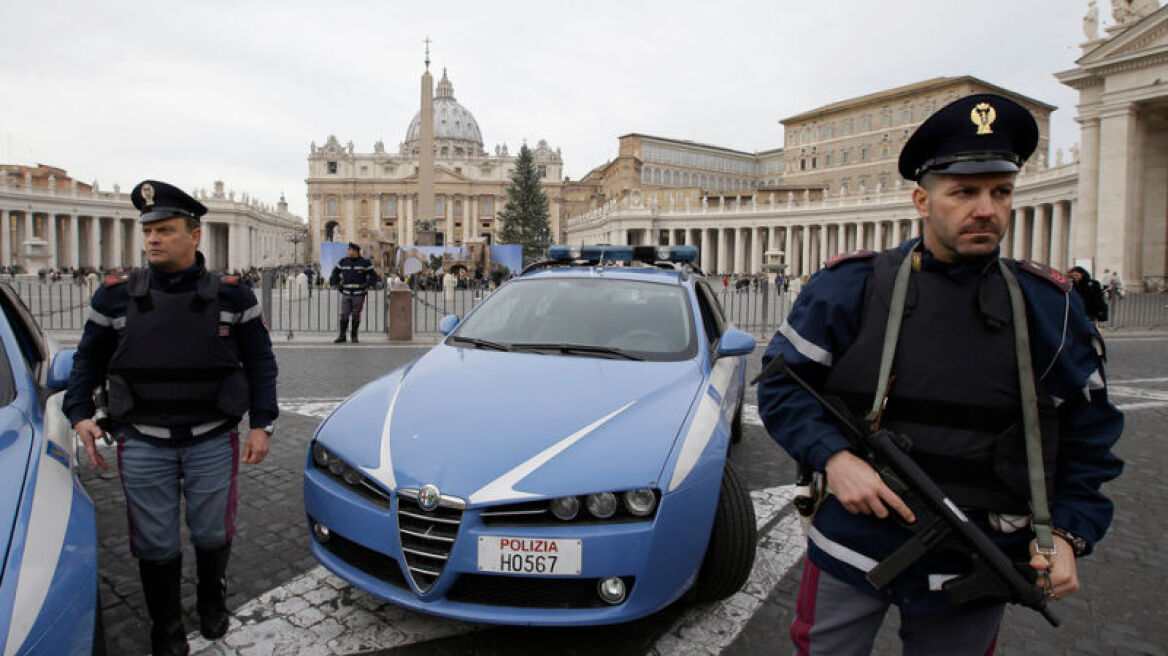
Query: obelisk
(425, 209)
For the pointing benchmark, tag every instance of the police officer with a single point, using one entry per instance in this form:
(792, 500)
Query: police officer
(353, 275)
(184, 353)
(955, 388)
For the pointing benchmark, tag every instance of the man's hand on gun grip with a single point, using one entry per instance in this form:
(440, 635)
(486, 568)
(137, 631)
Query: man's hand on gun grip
(861, 490)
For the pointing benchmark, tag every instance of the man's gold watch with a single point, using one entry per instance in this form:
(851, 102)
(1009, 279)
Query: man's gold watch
(1078, 544)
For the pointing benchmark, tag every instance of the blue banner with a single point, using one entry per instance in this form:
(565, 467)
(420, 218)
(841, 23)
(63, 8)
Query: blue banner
(508, 255)
(331, 252)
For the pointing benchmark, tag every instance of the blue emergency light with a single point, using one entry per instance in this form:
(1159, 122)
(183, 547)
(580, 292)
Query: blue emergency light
(598, 252)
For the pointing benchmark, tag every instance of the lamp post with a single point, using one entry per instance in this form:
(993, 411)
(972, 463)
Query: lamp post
(296, 236)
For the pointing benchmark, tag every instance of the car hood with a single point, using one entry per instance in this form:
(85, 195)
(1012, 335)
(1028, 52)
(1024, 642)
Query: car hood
(490, 426)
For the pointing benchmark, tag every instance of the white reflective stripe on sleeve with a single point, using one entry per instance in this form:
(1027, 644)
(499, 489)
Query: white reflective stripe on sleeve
(804, 347)
(252, 312)
(840, 552)
(117, 323)
(938, 580)
(1095, 380)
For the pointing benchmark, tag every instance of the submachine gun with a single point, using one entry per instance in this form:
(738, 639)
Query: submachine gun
(938, 520)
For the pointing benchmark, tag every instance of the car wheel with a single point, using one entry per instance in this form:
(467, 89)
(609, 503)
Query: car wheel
(736, 424)
(730, 555)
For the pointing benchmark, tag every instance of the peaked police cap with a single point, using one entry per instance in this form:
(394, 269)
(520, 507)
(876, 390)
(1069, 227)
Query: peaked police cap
(981, 133)
(158, 201)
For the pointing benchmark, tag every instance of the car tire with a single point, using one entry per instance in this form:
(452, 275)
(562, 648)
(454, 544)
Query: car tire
(733, 539)
(736, 423)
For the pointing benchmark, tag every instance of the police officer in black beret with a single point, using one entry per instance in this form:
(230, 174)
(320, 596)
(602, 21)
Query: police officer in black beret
(184, 354)
(971, 381)
(353, 276)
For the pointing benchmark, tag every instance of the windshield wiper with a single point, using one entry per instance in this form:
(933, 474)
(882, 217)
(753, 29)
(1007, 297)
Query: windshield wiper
(570, 349)
(481, 343)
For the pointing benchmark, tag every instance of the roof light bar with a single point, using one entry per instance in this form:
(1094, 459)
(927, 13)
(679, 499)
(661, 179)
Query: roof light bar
(597, 252)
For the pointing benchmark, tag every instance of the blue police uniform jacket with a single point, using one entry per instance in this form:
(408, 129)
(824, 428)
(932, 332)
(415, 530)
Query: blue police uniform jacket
(353, 275)
(1067, 355)
(240, 331)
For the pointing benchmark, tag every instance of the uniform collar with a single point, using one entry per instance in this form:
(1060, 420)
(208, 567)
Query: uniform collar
(165, 280)
(962, 270)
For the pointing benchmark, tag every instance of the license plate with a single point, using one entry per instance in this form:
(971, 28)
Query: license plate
(535, 556)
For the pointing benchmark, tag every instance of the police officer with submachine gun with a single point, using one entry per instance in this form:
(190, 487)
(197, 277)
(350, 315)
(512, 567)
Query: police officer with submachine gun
(353, 276)
(974, 479)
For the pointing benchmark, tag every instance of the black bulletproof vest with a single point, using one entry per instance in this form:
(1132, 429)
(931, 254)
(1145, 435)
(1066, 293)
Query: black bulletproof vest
(171, 368)
(955, 388)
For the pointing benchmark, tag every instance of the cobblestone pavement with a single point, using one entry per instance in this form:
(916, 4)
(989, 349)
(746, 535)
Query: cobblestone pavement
(284, 603)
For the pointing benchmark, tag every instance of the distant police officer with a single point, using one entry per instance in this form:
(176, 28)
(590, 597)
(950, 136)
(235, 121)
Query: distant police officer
(956, 386)
(186, 354)
(353, 276)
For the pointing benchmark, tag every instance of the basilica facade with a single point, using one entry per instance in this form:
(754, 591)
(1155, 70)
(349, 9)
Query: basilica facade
(372, 198)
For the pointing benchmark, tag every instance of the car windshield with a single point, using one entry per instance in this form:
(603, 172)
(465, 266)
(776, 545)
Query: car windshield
(588, 317)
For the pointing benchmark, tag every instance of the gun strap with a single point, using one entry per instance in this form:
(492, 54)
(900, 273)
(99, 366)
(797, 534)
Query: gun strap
(891, 335)
(1039, 507)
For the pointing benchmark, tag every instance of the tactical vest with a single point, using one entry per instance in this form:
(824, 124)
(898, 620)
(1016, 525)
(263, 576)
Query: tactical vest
(171, 368)
(955, 387)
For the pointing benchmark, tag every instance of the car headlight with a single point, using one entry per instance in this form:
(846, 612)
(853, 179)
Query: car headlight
(320, 455)
(602, 506)
(339, 470)
(565, 508)
(640, 502)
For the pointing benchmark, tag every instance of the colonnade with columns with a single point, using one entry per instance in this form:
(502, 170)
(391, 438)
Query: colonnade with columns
(46, 238)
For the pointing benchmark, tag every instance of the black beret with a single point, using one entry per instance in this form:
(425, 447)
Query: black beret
(982, 133)
(354, 247)
(158, 201)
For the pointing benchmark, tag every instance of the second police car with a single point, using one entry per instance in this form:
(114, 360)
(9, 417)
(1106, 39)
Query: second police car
(560, 458)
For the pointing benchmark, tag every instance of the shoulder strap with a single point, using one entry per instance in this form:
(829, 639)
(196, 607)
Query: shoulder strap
(139, 289)
(1049, 274)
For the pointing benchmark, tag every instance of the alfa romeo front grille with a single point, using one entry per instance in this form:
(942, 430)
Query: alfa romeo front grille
(427, 536)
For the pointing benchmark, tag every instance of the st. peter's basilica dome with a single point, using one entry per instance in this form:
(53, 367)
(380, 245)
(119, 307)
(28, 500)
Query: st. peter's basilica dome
(452, 122)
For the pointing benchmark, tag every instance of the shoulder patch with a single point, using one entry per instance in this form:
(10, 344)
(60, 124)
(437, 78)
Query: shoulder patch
(848, 257)
(1049, 274)
(229, 280)
(115, 279)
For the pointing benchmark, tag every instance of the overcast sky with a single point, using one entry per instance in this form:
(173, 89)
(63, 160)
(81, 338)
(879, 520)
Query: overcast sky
(199, 91)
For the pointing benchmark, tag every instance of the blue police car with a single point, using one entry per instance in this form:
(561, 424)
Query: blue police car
(558, 459)
(48, 586)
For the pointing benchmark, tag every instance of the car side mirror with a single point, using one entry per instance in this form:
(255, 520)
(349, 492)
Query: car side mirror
(735, 342)
(448, 324)
(60, 369)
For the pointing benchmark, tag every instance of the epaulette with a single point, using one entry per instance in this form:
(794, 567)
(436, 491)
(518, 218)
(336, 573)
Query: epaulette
(848, 257)
(229, 280)
(115, 279)
(1049, 274)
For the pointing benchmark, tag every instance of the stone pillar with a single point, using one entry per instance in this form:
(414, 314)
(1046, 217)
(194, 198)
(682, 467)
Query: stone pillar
(1120, 222)
(878, 236)
(821, 233)
(788, 254)
(805, 252)
(118, 259)
(897, 232)
(1021, 249)
(1085, 228)
(95, 243)
(74, 234)
(756, 239)
(1058, 237)
(705, 250)
(841, 238)
(1040, 234)
(5, 237)
(739, 250)
(722, 255)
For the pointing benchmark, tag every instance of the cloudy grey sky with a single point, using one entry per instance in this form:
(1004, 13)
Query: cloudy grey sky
(193, 92)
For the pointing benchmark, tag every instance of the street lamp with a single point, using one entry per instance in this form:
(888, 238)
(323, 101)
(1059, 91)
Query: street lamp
(296, 236)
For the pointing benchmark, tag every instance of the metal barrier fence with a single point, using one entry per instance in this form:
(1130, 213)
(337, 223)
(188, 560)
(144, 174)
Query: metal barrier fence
(64, 306)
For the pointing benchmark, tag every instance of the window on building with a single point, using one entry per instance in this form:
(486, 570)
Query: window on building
(676, 178)
(646, 175)
(458, 209)
(542, 168)
(332, 206)
(439, 206)
(485, 207)
(458, 169)
(814, 162)
(364, 170)
(846, 128)
(685, 179)
(866, 123)
(906, 115)
(846, 156)
(864, 154)
(827, 159)
(389, 170)
(332, 168)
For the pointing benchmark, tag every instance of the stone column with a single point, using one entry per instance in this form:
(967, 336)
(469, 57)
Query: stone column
(1120, 222)
(1058, 237)
(841, 238)
(95, 243)
(878, 236)
(1085, 228)
(5, 237)
(722, 263)
(739, 250)
(118, 247)
(705, 250)
(1021, 249)
(805, 252)
(788, 254)
(897, 232)
(1040, 239)
(821, 234)
(75, 241)
(51, 237)
(756, 239)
